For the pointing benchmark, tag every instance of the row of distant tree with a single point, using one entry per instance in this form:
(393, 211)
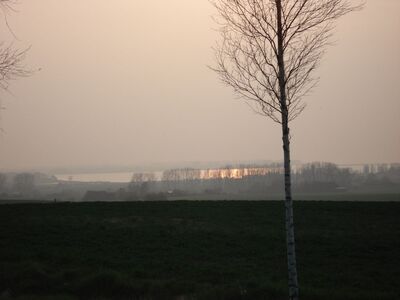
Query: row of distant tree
(312, 177)
(23, 183)
(316, 171)
(329, 172)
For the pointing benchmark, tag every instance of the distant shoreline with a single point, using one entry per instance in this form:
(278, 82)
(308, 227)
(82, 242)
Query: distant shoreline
(106, 177)
(298, 197)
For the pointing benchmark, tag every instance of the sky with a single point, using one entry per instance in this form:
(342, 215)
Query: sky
(127, 82)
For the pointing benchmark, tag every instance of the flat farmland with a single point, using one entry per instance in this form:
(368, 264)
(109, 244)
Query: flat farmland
(198, 250)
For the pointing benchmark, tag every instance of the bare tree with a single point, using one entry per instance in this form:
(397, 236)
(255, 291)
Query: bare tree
(11, 60)
(268, 54)
(11, 65)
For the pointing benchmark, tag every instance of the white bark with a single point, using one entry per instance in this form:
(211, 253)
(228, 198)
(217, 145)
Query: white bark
(290, 240)
(289, 220)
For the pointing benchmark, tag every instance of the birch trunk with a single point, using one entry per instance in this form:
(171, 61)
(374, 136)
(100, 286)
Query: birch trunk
(289, 224)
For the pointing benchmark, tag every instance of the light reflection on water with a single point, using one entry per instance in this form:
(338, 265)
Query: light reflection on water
(97, 177)
(102, 177)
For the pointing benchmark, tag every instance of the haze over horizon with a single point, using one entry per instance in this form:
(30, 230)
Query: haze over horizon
(128, 84)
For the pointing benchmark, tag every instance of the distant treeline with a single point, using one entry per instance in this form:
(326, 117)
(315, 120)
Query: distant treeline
(315, 170)
(15, 185)
(318, 177)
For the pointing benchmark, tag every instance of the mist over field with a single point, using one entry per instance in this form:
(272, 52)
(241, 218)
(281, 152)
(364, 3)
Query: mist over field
(123, 95)
(199, 150)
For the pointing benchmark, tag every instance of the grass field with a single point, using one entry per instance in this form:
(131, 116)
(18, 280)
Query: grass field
(339, 196)
(197, 250)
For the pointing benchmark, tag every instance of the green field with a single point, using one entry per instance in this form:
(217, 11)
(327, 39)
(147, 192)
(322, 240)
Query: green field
(197, 250)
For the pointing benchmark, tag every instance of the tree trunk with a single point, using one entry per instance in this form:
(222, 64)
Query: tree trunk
(290, 241)
(289, 224)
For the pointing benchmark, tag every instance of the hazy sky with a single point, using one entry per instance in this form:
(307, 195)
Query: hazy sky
(126, 82)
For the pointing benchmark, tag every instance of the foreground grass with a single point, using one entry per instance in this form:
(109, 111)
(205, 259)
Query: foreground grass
(197, 250)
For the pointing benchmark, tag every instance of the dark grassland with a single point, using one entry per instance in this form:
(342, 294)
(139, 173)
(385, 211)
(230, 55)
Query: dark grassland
(197, 250)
